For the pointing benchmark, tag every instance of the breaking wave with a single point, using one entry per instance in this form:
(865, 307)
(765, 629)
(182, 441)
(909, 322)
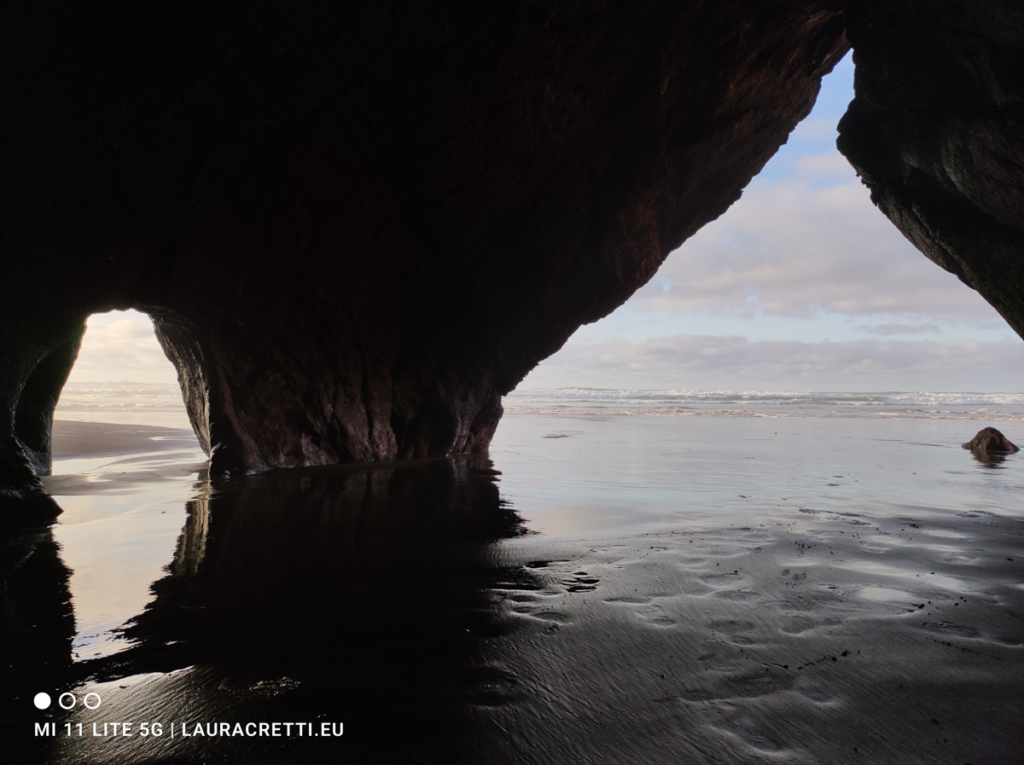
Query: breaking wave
(162, 397)
(725, 403)
(120, 397)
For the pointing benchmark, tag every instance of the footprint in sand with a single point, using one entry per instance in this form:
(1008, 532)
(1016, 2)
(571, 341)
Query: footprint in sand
(763, 682)
(738, 596)
(948, 628)
(654, 614)
(690, 561)
(734, 630)
(535, 608)
(581, 581)
(795, 625)
(644, 609)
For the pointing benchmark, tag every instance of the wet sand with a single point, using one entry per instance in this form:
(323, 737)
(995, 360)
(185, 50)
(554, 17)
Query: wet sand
(416, 606)
(85, 440)
(102, 457)
(822, 639)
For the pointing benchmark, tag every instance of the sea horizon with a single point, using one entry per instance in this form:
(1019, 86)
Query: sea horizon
(140, 398)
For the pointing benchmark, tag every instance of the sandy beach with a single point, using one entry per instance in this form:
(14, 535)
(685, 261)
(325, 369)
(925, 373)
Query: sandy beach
(87, 454)
(416, 597)
(74, 439)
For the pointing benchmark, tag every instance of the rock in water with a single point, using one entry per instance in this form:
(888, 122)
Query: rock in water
(990, 441)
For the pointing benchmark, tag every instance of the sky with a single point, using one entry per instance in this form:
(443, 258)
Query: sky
(801, 285)
(120, 346)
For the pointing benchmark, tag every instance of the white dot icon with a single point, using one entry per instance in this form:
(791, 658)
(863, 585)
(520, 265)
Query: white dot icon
(42, 701)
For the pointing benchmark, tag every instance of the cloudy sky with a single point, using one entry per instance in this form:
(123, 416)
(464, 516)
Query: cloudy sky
(801, 285)
(120, 346)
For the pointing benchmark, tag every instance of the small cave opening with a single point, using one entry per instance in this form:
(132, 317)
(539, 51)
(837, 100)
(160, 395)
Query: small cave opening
(120, 377)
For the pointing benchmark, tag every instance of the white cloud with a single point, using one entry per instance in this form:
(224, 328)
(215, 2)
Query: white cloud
(795, 248)
(703, 361)
(121, 346)
(887, 330)
(833, 165)
(815, 129)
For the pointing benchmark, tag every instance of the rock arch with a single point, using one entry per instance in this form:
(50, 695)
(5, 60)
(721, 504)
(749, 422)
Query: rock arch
(357, 227)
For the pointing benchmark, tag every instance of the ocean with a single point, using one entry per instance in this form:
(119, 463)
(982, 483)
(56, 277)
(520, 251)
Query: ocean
(692, 403)
(142, 398)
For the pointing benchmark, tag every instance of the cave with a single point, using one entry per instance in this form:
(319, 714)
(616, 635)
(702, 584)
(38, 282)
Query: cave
(357, 227)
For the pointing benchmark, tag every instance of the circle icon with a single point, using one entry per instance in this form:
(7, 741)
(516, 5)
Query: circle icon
(42, 701)
(86, 700)
(71, 696)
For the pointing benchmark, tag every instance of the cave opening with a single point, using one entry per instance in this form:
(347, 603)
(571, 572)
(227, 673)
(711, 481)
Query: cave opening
(121, 375)
(392, 295)
(803, 258)
(802, 284)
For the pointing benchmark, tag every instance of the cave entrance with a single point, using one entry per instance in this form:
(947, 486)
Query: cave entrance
(801, 285)
(125, 463)
(121, 377)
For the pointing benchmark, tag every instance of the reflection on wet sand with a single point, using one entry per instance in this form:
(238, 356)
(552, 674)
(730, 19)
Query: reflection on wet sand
(322, 596)
(36, 629)
(873, 618)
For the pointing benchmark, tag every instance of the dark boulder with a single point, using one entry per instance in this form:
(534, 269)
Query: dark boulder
(990, 441)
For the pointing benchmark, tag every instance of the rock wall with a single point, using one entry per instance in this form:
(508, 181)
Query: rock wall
(937, 132)
(356, 228)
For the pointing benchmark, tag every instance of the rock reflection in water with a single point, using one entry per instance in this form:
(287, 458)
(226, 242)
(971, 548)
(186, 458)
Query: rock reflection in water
(36, 629)
(990, 459)
(352, 596)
